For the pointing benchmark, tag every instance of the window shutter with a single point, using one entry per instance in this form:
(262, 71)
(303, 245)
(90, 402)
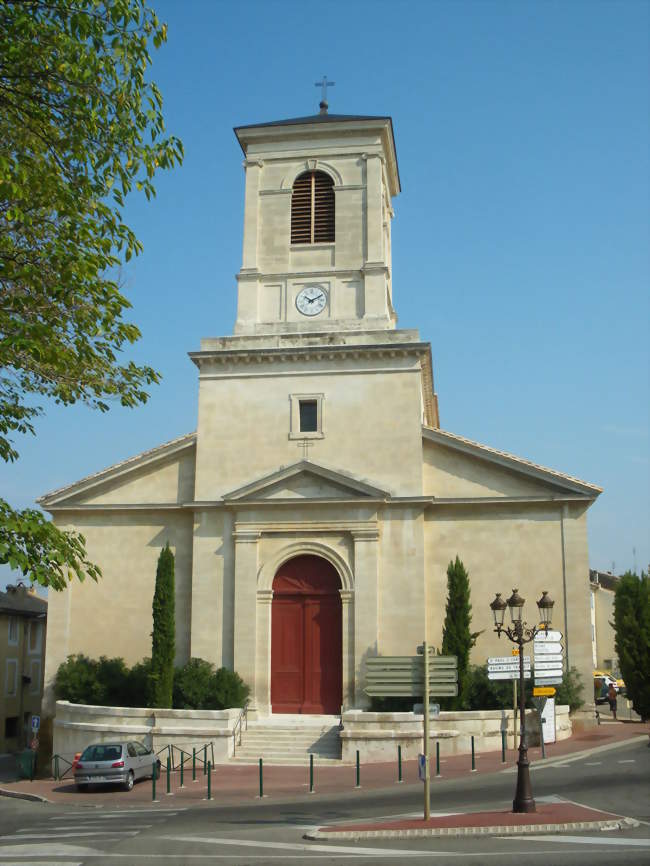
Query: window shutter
(312, 209)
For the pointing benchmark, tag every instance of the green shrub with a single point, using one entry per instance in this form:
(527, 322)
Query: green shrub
(197, 686)
(76, 681)
(570, 691)
(102, 682)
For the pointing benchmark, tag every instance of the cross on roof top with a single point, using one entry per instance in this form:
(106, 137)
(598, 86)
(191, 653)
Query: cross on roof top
(324, 84)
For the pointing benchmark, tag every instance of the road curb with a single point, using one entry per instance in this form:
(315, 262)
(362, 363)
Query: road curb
(23, 795)
(505, 830)
(540, 763)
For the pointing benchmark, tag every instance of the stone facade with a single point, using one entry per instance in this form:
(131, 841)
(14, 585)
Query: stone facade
(377, 488)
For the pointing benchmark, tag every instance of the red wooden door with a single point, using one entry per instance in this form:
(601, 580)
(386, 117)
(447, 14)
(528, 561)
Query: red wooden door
(306, 654)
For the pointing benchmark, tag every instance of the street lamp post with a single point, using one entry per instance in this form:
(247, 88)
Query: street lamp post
(521, 633)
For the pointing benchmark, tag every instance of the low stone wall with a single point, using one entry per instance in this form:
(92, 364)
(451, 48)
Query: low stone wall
(377, 735)
(78, 725)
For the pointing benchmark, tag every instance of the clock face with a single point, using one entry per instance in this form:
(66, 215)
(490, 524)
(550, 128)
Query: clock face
(311, 301)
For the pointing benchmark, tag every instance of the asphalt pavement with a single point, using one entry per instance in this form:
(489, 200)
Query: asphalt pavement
(273, 829)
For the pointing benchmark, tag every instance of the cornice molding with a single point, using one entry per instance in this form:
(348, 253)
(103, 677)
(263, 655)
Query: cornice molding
(304, 353)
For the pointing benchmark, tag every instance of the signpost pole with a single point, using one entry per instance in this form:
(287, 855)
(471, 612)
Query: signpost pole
(427, 800)
(514, 715)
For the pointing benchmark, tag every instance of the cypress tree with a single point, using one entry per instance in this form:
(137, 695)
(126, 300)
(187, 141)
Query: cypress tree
(163, 634)
(457, 640)
(632, 642)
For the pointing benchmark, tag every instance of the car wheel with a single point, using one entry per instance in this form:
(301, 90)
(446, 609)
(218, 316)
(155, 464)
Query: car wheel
(82, 787)
(128, 785)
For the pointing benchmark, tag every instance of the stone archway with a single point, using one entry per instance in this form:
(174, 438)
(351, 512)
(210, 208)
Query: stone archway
(306, 637)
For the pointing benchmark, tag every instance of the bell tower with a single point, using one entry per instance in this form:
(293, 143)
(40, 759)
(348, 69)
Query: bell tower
(317, 233)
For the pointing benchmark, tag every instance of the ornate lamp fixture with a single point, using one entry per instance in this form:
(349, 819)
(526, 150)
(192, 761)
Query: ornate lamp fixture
(521, 633)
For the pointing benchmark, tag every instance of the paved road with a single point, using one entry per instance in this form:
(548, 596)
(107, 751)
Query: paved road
(271, 831)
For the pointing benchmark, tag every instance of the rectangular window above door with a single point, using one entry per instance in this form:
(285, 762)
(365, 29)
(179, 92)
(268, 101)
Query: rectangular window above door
(306, 416)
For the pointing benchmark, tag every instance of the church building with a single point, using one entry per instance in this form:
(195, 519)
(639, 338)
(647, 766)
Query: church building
(314, 510)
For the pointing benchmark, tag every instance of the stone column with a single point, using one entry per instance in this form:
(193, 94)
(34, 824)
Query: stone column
(245, 613)
(206, 634)
(347, 655)
(374, 214)
(263, 652)
(366, 606)
(251, 213)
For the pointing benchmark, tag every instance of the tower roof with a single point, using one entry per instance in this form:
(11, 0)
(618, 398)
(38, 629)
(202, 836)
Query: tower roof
(243, 132)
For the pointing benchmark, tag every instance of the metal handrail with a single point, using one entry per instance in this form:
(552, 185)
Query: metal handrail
(241, 719)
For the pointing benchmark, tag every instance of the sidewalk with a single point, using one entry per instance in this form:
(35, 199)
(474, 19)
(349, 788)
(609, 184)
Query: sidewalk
(231, 783)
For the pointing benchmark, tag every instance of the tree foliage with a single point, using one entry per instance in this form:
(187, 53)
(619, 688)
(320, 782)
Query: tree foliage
(80, 127)
(457, 639)
(163, 641)
(632, 641)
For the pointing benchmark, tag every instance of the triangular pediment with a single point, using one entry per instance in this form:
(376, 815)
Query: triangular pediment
(307, 480)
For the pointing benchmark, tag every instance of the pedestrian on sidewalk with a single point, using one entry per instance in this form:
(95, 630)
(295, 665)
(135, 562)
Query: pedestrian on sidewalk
(611, 697)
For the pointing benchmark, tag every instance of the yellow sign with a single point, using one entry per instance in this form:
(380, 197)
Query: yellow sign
(515, 652)
(543, 692)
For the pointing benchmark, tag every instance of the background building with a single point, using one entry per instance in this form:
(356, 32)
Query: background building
(23, 618)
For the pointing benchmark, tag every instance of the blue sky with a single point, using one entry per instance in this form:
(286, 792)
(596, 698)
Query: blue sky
(520, 242)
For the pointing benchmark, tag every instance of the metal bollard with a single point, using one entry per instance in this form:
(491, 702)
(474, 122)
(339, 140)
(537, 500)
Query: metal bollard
(194, 763)
(473, 756)
(261, 779)
(56, 767)
(169, 775)
(399, 763)
(182, 762)
(437, 759)
(358, 785)
(205, 759)
(503, 747)
(541, 737)
(153, 783)
(209, 770)
(311, 774)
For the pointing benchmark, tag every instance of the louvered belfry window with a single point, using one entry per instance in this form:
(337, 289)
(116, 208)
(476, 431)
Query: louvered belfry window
(312, 208)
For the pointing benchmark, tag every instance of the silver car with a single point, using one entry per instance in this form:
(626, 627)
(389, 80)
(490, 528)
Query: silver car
(115, 764)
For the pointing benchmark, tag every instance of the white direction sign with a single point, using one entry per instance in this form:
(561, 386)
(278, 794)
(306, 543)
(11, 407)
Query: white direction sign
(544, 665)
(548, 681)
(508, 675)
(546, 648)
(550, 636)
(493, 669)
(507, 660)
(548, 657)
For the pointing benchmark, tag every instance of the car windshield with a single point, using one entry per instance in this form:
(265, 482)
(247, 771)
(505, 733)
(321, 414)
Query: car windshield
(102, 752)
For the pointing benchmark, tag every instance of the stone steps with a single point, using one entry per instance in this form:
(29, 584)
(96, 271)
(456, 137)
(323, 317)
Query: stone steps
(291, 742)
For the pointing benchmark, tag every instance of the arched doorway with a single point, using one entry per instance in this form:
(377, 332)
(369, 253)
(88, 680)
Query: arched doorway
(306, 637)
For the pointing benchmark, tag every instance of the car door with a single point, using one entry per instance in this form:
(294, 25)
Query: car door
(134, 760)
(145, 757)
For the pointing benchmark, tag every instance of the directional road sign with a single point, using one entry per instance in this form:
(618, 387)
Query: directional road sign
(508, 675)
(493, 669)
(545, 662)
(543, 649)
(507, 660)
(543, 691)
(549, 636)
(548, 681)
